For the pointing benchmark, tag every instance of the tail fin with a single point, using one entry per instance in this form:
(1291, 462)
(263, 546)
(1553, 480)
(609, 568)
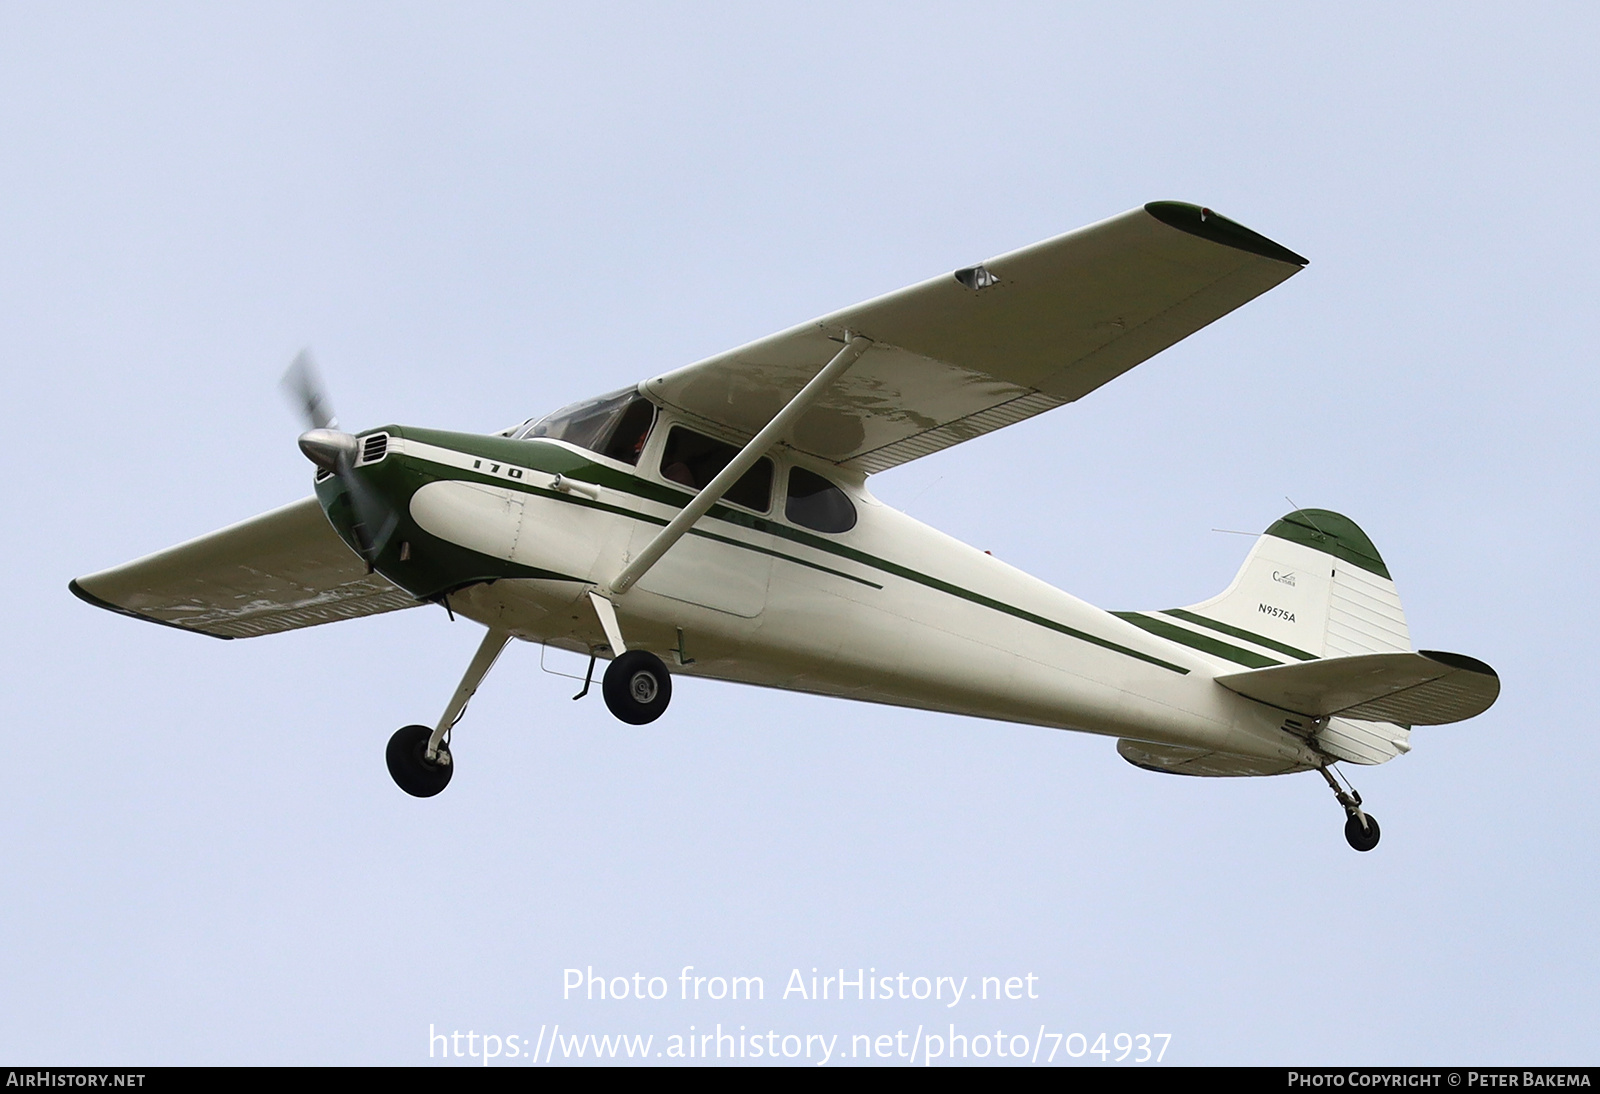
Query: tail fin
(1312, 586)
(1314, 581)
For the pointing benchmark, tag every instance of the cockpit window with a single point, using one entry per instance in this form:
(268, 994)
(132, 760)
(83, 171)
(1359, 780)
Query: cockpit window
(694, 459)
(632, 430)
(816, 503)
(615, 426)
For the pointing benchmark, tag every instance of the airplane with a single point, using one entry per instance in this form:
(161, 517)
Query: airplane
(715, 521)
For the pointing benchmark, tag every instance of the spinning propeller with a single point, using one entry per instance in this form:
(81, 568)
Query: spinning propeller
(335, 452)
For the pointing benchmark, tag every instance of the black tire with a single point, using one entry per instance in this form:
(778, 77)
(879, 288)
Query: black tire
(637, 687)
(410, 767)
(1361, 840)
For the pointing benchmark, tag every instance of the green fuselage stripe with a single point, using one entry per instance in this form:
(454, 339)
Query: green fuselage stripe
(786, 558)
(760, 524)
(576, 499)
(1239, 632)
(1201, 642)
(528, 455)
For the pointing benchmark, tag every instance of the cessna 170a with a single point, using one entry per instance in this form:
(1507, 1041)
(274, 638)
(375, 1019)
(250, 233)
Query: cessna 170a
(715, 521)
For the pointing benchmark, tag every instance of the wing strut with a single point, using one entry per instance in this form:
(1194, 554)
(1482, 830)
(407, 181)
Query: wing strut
(855, 345)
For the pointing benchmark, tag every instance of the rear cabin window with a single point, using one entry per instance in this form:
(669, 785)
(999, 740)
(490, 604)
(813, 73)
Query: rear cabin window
(694, 459)
(816, 503)
(616, 426)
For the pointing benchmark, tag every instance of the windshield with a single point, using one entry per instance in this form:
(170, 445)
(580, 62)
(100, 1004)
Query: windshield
(615, 425)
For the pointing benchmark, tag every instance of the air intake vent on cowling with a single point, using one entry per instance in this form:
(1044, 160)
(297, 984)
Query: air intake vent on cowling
(373, 449)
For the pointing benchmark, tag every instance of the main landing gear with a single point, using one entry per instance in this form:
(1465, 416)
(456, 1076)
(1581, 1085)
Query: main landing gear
(419, 758)
(637, 689)
(636, 685)
(1360, 827)
(410, 767)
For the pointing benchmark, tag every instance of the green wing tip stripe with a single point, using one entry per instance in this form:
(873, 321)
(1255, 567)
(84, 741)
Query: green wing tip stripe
(1460, 661)
(1332, 534)
(89, 598)
(1206, 224)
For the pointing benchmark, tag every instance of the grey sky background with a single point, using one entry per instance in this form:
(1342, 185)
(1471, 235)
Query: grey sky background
(475, 213)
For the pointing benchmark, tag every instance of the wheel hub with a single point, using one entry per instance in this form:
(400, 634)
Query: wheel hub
(643, 687)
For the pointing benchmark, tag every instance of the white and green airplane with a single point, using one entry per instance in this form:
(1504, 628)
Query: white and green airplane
(716, 521)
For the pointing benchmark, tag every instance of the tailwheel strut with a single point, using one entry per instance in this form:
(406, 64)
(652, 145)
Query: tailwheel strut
(1360, 827)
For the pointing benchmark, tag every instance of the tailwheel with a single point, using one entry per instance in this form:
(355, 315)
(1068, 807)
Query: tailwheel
(1362, 839)
(410, 766)
(637, 687)
(1360, 827)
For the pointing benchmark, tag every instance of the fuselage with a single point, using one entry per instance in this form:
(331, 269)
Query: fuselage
(515, 533)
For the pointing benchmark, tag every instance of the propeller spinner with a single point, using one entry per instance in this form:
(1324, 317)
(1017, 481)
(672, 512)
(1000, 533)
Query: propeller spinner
(333, 450)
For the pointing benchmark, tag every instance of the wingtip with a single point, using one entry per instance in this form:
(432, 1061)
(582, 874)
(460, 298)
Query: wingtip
(87, 597)
(1197, 220)
(1460, 661)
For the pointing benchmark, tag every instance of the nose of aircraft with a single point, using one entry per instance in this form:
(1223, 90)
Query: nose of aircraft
(328, 448)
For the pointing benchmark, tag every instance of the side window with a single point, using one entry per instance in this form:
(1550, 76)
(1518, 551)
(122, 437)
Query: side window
(816, 503)
(694, 459)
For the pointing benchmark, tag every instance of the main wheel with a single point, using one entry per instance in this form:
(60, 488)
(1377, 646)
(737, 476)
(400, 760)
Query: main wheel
(637, 687)
(413, 772)
(1359, 838)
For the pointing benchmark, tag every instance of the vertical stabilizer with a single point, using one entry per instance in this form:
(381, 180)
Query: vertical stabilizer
(1313, 586)
(1314, 582)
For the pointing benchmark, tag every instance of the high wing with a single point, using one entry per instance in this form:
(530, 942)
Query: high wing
(971, 351)
(276, 572)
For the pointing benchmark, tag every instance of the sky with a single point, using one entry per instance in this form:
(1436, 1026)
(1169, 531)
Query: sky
(474, 213)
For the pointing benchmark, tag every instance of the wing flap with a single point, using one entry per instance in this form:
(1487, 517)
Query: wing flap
(1410, 689)
(955, 357)
(279, 571)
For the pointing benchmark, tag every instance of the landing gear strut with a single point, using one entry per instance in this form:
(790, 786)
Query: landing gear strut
(636, 684)
(419, 758)
(1360, 827)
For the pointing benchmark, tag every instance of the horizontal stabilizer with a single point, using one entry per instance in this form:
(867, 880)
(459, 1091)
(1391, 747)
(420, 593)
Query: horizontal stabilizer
(1409, 689)
(275, 572)
(1177, 760)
